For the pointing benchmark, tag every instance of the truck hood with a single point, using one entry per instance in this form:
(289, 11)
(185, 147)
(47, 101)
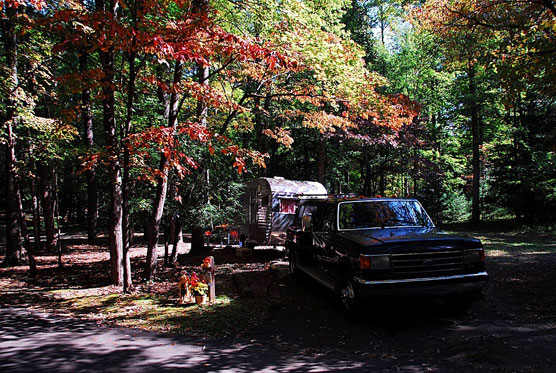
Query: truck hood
(395, 239)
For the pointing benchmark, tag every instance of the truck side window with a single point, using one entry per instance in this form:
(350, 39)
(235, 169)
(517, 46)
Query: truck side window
(317, 219)
(328, 218)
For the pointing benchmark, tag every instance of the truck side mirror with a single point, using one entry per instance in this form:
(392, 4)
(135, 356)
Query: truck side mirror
(306, 223)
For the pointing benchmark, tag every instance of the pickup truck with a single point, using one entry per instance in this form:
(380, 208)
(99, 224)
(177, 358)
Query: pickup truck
(370, 247)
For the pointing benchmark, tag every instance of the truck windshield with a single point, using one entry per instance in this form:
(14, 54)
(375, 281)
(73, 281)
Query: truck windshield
(380, 214)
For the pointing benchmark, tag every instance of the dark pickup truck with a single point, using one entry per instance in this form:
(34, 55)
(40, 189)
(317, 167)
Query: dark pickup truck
(371, 247)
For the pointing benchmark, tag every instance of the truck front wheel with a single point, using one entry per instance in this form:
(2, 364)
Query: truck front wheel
(348, 297)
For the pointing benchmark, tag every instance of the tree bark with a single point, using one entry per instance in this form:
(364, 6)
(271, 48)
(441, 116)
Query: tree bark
(200, 7)
(176, 236)
(127, 130)
(13, 230)
(25, 234)
(87, 119)
(36, 224)
(36, 211)
(197, 240)
(115, 230)
(321, 161)
(476, 143)
(162, 183)
(47, 202)
(368, 173)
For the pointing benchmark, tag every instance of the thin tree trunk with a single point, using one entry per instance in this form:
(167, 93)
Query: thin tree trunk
(126, 219)
(32, 249)
(57, 214)
(382, 181)
(162, 183)
(368, 173)
(200, 7)
(36, 211)
(321, 161)
(25, 234)
(476, 134)
(175, 239)
(87, 119)
(47, 202)
(115, 230)
(13, 231)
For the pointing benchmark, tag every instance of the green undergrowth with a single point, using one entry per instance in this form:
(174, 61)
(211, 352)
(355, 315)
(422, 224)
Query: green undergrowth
(507, 237)
(509, 226)
(224, 317)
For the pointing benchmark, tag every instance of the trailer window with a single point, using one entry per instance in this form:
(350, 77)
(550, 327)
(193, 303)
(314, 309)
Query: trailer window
(287, 206)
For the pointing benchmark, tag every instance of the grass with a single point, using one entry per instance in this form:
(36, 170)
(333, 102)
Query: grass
(224, 317)
(506, 237)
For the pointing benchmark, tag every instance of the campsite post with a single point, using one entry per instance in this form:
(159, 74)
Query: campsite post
(209, 276)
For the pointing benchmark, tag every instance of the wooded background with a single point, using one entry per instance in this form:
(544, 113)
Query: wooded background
(118, 115)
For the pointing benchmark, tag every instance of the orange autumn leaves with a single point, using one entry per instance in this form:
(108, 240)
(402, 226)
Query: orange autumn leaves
(163, 32)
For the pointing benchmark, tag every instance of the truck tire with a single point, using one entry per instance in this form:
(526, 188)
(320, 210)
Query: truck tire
(348, 298)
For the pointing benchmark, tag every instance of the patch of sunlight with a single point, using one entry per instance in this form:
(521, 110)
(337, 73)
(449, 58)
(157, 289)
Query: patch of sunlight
(58, 291)
(537, 253)
(497, 253)
(226, 316)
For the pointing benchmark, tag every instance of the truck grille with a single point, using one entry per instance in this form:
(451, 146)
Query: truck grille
(428, 264)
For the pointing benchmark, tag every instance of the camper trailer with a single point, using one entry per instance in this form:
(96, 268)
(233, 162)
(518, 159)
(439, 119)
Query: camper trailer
(270, 205)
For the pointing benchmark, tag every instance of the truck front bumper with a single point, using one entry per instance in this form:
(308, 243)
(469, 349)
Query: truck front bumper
(423, 286)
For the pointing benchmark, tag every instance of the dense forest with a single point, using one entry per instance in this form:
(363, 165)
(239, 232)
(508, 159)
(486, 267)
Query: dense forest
(117, 115)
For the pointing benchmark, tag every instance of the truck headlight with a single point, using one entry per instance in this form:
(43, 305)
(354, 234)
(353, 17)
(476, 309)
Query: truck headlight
(374, 261)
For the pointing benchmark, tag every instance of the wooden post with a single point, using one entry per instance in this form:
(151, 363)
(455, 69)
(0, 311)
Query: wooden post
(209, 277)
(212, 281)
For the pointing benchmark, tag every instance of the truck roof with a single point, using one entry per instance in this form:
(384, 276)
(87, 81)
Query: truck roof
(345, 198)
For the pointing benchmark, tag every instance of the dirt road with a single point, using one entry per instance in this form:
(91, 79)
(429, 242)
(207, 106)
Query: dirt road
(513, 328)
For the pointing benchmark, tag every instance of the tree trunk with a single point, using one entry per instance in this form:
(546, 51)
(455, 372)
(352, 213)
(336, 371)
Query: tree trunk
(115, 230)
(476, 134)
(321, 161)
(87, 119)
(32, 249)
(36, 211)
(57, 214)
(13, 231)
(197, 241)
(175, 239)
(25, 234)
(382, 181)
(162, 184)
(127, 130)
(200, 7)
(368, 173)
(47, 201)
